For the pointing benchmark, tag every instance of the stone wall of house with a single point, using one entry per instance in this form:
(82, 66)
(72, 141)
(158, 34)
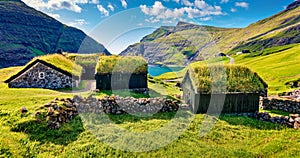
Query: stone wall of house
(286, 105)
(52, 79)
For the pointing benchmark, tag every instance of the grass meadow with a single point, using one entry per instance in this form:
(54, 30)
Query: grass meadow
(22, 136)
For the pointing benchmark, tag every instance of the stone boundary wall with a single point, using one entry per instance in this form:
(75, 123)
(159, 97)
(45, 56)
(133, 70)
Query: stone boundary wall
(292, 121)
(286, 105)
(61, 111)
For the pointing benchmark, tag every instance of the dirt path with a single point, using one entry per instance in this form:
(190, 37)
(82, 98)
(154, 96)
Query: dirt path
(231, 59)
(90, 86)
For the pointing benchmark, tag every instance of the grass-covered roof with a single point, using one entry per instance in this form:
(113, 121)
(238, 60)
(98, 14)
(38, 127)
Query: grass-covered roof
(117, 64)
(84, 59)
(225, 78)
(60, 62)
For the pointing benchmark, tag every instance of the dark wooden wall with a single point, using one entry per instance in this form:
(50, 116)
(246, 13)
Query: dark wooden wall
(88, 73)
(228, 103)
(119, 81)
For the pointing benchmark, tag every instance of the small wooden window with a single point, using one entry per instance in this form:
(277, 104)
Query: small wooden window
(42, 75)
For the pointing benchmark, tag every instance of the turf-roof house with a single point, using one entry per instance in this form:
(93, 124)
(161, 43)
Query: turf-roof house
(88, 62)
(49, 72)
(236, 89)
(122, 73)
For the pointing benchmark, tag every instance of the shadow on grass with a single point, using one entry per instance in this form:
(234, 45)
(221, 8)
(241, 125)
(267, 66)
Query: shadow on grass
(40, 132)
(276, 112)
(84, 86)
(120, 119)
(124, 93)
(251, 122)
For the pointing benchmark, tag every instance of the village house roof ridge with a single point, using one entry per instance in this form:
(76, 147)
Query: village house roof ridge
(195, 78)
(27, 67)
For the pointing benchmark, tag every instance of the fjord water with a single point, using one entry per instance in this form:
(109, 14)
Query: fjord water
(155, 70)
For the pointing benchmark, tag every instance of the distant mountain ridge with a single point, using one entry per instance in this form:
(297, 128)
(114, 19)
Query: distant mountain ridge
(185, 43)
(26, 33)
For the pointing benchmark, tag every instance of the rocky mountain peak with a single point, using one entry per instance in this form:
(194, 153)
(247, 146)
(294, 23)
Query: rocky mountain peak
(185, 26)
(293, 5)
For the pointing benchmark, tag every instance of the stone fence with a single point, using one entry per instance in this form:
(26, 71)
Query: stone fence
(292, 121)
(286, 105)
(63, 110)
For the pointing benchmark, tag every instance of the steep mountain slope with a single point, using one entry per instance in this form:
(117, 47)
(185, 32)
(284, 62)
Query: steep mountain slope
(186, 43)
(175, 45)
(26, 33)
(280, 29)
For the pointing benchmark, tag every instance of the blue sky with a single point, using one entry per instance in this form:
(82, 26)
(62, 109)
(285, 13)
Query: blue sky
(119, 23)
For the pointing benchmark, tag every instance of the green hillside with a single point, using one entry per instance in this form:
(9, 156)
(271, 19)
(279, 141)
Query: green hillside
(185, 43)
(278, 69)
(27, 33)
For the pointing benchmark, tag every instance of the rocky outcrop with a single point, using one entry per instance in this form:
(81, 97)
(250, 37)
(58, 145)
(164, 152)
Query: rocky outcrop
(161, 32)
(294, 5)
(26, 33)
(295, 94)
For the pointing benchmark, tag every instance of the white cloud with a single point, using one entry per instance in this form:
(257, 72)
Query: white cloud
(152, 20)
(110, 7)
(177, 1)
(187, 3)
(203, 5)
(81, 22)
(77, 23)
(224, 1)
(94, 2)
(156, 9)
(64, 4)
(55, 16)
(200, 4)
(104, 11)
(37, 4)
(71, 5)
(124, 3)
(242, 4)
(233, 10)
(206, 19)
(158, 12)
